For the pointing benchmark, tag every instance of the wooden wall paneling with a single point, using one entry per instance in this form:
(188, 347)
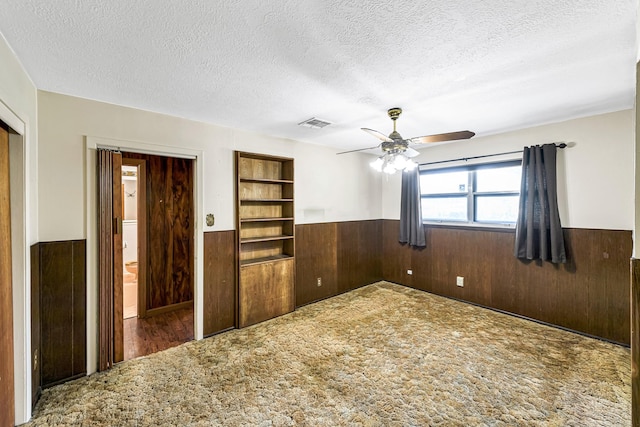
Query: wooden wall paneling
(349, 268)
(7, 403)
(182, 223)
(219, 281)
(505, 277)
(574, 282)
(589, 294)
(609, 309)
(348, 256)
(370, 250)
(316, 257)
(36, 357)
(396, 258)
(62, 304)
(158, 245)
(420, 264)
(635, 342)
(440, 260)
(78, 307)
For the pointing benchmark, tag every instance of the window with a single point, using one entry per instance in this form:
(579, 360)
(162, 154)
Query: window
(476, 194)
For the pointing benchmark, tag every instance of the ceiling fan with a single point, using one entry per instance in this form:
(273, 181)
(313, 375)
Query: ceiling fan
(396, 151)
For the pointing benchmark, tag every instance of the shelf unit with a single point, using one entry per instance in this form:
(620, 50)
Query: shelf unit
(265, 236)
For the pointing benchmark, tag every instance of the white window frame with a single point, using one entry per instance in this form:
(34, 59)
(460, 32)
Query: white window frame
(471, 194)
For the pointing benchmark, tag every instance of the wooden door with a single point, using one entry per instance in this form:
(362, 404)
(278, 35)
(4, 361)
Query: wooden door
(111, 341)
(7, 404)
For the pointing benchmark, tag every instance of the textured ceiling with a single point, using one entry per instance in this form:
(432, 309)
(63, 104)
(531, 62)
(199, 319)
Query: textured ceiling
(487, 66)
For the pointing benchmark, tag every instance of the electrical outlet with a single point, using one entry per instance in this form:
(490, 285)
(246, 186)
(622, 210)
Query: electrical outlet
(319, 281)
(460, 281)
(409, 272)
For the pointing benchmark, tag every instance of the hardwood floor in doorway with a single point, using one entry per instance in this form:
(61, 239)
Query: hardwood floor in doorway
(156, 333)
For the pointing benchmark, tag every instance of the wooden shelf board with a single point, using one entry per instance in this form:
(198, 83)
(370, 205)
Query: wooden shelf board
(254, 261)
(266, 219)
(265, 239)
(265, 200)
(267, 180)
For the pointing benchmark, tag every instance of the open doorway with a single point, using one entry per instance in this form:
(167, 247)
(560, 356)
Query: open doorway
(134, 238)
(157, 253)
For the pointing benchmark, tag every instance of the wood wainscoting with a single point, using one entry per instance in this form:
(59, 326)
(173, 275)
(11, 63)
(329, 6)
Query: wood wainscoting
(635, 342)
(58, 270)
(219, 281)
(589, 294)
(342, 255)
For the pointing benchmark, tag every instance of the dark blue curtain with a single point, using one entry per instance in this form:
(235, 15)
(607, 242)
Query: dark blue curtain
(411, 228)
(538, 229)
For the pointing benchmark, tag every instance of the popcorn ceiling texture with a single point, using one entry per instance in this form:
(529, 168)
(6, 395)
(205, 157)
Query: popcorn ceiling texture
(261, 65)
(382, 355)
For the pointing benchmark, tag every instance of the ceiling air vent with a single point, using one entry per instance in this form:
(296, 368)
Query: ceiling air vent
(314, 123)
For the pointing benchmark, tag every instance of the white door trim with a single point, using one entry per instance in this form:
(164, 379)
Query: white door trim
(21, 263)
(92, 143)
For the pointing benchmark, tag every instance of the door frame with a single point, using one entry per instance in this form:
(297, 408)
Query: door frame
(21, 261)
(92, 143)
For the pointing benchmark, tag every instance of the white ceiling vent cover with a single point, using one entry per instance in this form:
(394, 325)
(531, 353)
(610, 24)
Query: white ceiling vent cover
(314, 123)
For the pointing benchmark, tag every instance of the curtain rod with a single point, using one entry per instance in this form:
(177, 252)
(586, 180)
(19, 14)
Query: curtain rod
(561, 145)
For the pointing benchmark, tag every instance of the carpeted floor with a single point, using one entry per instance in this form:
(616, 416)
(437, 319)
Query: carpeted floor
(382, 355)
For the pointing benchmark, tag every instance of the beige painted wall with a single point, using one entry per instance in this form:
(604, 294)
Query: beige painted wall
(595, 177)
(18, 101)
(328, 187)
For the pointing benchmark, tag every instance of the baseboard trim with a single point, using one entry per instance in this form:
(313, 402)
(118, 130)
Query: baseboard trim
(169, 308)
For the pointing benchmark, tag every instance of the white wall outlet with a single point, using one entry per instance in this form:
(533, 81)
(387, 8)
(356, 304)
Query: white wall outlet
(319, 281)
(460, 281)
(409, 272)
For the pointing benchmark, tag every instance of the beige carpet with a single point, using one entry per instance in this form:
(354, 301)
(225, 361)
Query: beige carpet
(382, 355)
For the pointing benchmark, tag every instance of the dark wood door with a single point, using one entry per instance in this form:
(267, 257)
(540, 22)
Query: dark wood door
(7, 404)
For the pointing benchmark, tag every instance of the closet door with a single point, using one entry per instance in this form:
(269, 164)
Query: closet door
(7, 404)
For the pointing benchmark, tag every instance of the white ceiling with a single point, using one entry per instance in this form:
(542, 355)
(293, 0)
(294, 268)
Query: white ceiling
(486, 66)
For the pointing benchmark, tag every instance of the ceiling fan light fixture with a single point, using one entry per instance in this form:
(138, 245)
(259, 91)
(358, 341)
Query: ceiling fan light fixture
(411, 165)
(391, 162)
(389, 169)
(397, 153)
(377, 164)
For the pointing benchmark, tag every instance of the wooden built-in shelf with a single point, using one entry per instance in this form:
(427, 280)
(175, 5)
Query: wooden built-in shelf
(265, 237)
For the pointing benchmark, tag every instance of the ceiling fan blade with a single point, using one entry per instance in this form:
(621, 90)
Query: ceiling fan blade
(378, 135)
(410, 152)
(360, 149)
(452, 136)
